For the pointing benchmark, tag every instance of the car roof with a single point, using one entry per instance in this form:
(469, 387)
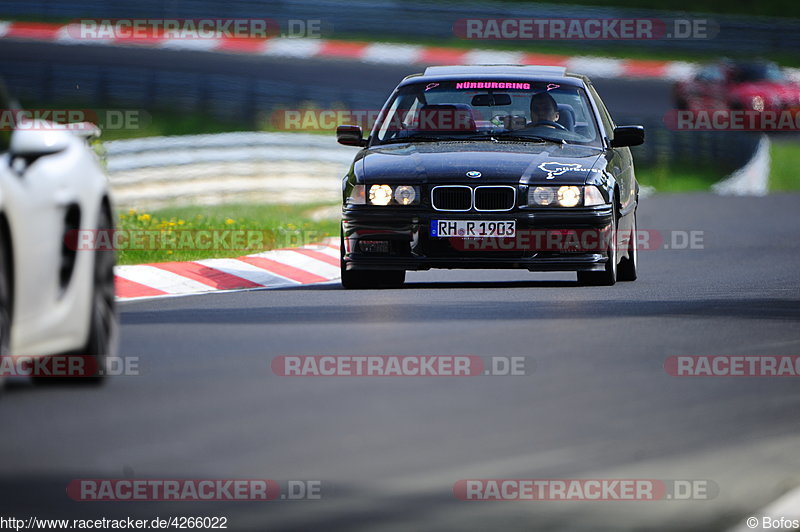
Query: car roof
(511, 72)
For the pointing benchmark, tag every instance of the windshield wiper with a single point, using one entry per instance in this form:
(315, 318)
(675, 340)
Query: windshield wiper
(529, 138)
(413, 138)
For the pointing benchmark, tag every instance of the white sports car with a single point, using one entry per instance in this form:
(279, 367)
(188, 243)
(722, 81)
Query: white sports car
(54, 298)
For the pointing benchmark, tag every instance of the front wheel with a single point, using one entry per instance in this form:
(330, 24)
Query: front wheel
(103, 325)
(5, 300)
(627, 270)
(608, 276)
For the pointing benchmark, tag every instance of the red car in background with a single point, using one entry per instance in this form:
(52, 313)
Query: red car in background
(760, 86)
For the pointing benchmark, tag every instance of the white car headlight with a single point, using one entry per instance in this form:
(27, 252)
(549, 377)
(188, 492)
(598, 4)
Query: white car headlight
(566, 196)
(542, 196)
(569, 196)
(380, 194)
(393, 195)
(405, 195)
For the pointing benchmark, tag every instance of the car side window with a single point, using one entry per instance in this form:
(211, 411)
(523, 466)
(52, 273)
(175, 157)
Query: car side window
(605, 116)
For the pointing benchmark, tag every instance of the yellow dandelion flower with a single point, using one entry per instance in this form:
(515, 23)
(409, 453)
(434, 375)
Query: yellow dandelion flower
(181, 222)
(144, 217)
(230, 221)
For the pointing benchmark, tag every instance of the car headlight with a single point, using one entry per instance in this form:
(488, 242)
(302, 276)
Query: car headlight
(592, 196)
(358, 195)
(565, 196)
(380, 194)
(542, 196)
(569, 196)
(398, 195)
(405, 195)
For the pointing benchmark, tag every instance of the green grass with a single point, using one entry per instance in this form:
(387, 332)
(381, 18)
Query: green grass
(188, 233)
(785, 166)
(678, 179)
(161, 123)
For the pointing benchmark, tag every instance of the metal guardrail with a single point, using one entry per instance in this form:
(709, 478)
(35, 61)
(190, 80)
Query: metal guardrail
(152, 152)
(427, 19)
(294, 167)
(726, 150)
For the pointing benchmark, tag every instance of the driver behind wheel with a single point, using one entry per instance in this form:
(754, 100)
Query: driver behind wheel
(544, 111)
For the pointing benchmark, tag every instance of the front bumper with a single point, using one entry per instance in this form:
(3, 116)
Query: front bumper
(547, 240)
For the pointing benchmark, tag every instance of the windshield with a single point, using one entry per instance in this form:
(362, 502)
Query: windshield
(488, 110)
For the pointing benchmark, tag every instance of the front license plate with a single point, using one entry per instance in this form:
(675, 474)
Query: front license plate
(473, 228)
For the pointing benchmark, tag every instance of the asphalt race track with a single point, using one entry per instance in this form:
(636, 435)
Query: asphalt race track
(388, 451)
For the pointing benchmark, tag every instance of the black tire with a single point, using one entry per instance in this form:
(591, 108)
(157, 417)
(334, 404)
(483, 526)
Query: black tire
(608, 276)
(360, 279)
(104, 324)
(5, 300)
(627, 269)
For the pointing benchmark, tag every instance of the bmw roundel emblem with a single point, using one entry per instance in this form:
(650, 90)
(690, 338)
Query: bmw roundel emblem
(474, 174)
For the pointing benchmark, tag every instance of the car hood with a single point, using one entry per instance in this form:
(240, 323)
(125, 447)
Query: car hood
(497, 162)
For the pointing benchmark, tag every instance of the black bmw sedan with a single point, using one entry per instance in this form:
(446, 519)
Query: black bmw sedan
(491, 167)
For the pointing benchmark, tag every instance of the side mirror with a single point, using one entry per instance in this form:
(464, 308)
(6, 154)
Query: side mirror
(627, 136)
(350, 136)
(33, 143)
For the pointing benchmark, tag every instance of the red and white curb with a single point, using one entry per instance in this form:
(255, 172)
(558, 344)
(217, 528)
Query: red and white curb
(316, 263)
(386, 53)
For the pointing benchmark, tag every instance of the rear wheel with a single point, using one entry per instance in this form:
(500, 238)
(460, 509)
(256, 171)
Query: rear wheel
(629, 265)
(608, 276)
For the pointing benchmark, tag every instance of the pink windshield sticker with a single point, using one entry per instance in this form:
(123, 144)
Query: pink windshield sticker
(551, 86)
(430, 86)
(492, 85)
